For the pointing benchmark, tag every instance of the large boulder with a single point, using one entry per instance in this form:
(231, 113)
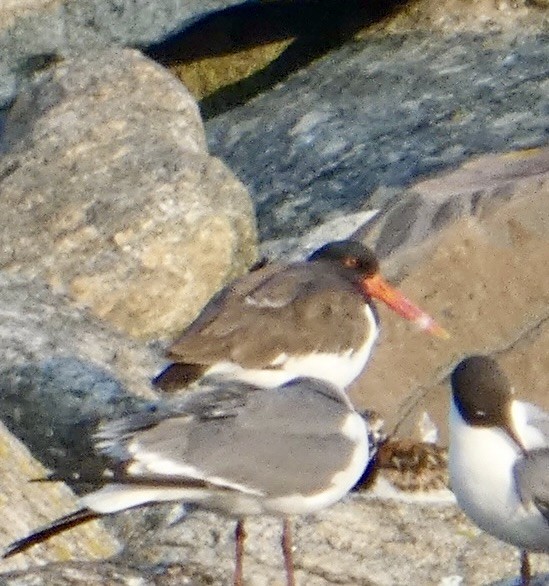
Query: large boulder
(109, 194)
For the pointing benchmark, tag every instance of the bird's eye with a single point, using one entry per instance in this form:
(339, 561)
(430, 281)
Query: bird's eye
(350, 262)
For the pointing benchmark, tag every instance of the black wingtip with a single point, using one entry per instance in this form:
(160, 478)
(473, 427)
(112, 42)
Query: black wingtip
(177, 376)
(57, 526)
(57, 476)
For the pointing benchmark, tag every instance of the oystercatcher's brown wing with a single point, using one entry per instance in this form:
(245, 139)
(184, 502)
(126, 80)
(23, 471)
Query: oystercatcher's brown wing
(298, 310)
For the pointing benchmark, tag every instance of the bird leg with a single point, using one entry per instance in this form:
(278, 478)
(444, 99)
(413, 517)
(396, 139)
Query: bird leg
(287, 551)
(525, 571)
(239, 537)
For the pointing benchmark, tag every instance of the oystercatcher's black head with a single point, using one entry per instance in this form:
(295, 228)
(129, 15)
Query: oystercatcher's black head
(482, 392)
(350, 254)
(362, 267)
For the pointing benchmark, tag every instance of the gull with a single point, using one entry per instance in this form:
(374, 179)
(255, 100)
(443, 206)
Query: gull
(234, 448)
(499, 458)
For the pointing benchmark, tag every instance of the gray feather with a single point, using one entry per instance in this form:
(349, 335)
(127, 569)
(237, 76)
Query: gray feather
(281, 441)
(539, 419)
(532, 479)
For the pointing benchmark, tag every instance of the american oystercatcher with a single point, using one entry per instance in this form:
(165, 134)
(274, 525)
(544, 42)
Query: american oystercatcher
(499, 458)
(312, 318)
(234, 448)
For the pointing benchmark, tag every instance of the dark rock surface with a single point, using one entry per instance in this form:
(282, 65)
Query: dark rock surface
(382, 112)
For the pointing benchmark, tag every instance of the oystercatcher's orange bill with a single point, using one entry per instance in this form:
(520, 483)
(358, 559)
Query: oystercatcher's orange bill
(377, 287)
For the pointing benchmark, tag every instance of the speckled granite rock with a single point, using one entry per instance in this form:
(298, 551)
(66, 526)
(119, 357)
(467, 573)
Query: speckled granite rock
(108, 194)
(62, 370)
(24, 504)
(358, 542)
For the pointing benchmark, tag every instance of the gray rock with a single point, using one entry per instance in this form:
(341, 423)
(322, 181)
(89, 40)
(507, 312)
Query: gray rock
(383, 111)
(61, 371)
(76, 573)
(359, 542)
(37, 31)
(25, 503)
(109, 194)
(472, 191)
(114, 574)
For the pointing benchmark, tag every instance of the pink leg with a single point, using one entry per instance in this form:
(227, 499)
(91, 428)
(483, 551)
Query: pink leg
(287, 550)
(239, 537)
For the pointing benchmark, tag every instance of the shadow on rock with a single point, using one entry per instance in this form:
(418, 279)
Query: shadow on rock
(54, 406)
(315, 27)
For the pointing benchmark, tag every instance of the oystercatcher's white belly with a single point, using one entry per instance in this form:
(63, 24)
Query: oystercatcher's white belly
(338, 369)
